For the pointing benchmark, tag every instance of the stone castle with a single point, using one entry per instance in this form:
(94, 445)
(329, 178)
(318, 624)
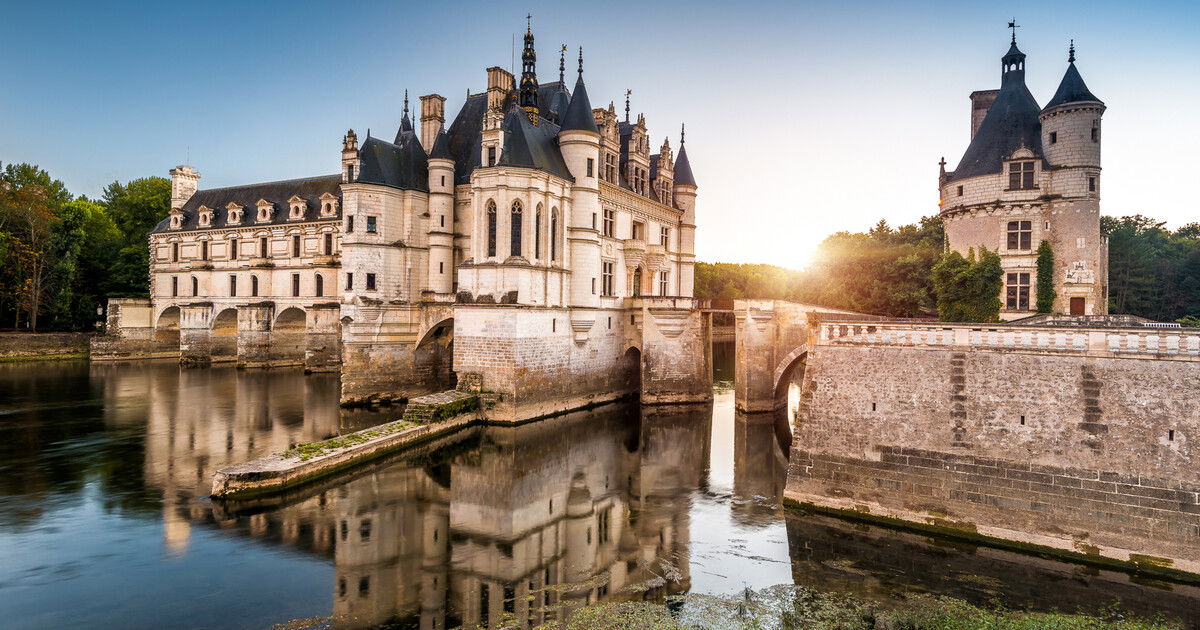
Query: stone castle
(1032, 174)
(513, 244)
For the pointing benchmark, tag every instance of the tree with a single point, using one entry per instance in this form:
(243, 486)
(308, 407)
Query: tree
(968, 290)
(1045, 278)
(135, 208)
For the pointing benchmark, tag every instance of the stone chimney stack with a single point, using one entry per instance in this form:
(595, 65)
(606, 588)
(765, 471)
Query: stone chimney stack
(184, 182)
(981, 101)
(500, 83)
(433, 117)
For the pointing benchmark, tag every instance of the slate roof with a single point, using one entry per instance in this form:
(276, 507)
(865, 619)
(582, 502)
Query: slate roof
(405, 166)
(441, 147)
(310, 188)
(1072, 89)
(579, 112)
(1010, 124)
(683, 168)
(529, 146)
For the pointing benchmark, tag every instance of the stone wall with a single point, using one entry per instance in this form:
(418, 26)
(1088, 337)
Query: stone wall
(1081, 447)
(20, 346)
(395, 351)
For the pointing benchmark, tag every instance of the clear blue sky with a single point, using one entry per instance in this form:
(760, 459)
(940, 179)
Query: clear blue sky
(803, 118)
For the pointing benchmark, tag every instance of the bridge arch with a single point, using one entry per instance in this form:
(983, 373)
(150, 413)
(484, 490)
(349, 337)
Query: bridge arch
(631, 369)
(224, 335)
(287, 335)
(786, 370)
(433, 356)
(166, 327)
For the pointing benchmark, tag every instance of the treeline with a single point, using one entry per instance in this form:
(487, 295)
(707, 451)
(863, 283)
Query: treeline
(62, 256)
(901, 272)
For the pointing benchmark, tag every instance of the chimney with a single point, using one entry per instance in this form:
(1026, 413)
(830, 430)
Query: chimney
(184, 182)
(981, 101)
(433, 116)
(500, 83)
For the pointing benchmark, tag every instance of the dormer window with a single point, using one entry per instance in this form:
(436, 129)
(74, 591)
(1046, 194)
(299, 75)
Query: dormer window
(233, 214)
(265, 209)
(297, 206)
(1020, 176)
(205, 216)
(329, 205)
(176, 218)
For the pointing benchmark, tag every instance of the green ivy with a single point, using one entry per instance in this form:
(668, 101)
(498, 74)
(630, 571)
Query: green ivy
(1045, 278)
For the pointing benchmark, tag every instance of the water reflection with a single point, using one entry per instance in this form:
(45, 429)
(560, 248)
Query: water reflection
(104, 470)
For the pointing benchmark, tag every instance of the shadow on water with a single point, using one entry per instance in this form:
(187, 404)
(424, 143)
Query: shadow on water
(104, 472)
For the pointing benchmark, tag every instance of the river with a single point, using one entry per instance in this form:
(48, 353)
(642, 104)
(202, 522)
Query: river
(105, 523)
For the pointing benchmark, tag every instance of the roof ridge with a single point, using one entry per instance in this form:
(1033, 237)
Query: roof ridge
(278, 181)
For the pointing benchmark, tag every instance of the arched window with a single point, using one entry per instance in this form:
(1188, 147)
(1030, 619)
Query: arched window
(537, 233)
(320, 285)
(554, 234)
(195, 286)
(514, 230)
(254, 286)
(491, 228)
(174, 252)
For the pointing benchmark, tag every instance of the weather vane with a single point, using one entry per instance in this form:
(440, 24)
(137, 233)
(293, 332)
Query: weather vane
(1014, 26)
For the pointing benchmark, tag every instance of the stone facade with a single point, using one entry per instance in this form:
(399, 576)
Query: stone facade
(1076, 439)
(1030, 175)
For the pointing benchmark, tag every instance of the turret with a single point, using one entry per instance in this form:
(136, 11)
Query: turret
(684, 192)
(1071, 123)
(441, 213)
(579, 141)
(184, 182)
(350, 160)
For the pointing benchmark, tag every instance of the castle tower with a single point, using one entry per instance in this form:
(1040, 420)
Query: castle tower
(579, 140)
(433, 118)
(684, 192)
(441, 214)
(1071, 138)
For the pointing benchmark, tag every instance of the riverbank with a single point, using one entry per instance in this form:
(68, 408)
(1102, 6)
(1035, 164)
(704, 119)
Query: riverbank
(16, 347)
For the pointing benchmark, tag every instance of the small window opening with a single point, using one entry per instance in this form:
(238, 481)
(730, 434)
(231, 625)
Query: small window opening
(1053, 137)
(1095, 134)
(1092, 184)
(554, 325)
(960, 191)
(872, 406)
(371, 225)
(1171, 435)
(1022, 420)
(370, 282)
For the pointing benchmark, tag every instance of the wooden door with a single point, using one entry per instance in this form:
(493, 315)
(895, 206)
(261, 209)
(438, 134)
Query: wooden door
(1077, 306)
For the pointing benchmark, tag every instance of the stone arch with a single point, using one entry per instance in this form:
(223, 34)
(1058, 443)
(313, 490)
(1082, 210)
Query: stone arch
(786, 372)
(224, 335)
(166, 327)
(433, 357)
(288, 336)
(631, 370)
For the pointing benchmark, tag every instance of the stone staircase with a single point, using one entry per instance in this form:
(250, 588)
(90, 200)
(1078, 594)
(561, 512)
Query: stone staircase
(436, 407)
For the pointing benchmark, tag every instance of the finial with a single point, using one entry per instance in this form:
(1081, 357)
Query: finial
(562, 63)
(581, 62)
(627, 93)
(406, 103)
(1014, 26)
(682, 133)
(528, 23)
(1071, 54)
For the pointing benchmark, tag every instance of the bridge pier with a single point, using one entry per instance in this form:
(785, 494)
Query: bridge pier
(254, 334)
(323, 338)
(195, 334)
(395, 351)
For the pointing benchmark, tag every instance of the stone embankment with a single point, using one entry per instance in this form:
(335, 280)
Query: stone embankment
(23, 346)
(425, 418)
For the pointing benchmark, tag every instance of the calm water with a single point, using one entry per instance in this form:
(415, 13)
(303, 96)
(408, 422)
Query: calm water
(104, 521)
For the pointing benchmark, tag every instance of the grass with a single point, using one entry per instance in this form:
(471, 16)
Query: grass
(310, 450)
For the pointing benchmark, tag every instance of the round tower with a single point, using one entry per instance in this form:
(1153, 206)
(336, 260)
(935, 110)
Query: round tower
(1071, 123)
(683, 190)
(579, 141)
(441, 216)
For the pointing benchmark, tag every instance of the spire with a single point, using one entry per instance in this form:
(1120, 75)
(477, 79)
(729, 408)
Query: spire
(406, 127)
(528, 96)
(627, 93)
(562, 65)
(579, 112)
(683, 167)
(1071, 53)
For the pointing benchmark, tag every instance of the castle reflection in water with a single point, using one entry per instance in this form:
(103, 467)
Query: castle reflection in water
(525, 522)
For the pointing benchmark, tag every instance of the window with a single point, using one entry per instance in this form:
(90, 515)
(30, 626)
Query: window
(320, 285)
(328, 244)
(203, 250)
(604, 525)
(295, 285)
(349, 172)
(442, 220)
(195, 287)
(1053, 137)
(364, 530)
(262, 247)
(664, 283)
(364, 586)
(491, 161)
(233, 249)
(537, 233)
(610, 221)
(296, 246)
(635, 232)
(1095, 134)
(1091, 183)
(174, 286)
(610, 167)
(253, 286)
(593, 286)
(370, 282)
(1018, 292)
(350, 224)
(371, 225)
(554, 235)
(1020, 176)
(591, 166)
(441, 267)
(232, 285)
(349, 281)
(491, 228)
(514, 230)
(1020, 235)
(664, 236)
(960, 191)
(606, 278)
(175, 252)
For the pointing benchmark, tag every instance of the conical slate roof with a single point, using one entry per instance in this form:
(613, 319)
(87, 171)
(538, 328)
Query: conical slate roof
(683, 169)
(441, 147)
(1072, 89)
(1011, 123)
(530, 146)
(401, 166)
(579, 112)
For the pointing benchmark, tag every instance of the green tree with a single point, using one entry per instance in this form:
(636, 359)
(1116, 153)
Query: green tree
(967, 289)
(1045, 278)
(135, 208)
